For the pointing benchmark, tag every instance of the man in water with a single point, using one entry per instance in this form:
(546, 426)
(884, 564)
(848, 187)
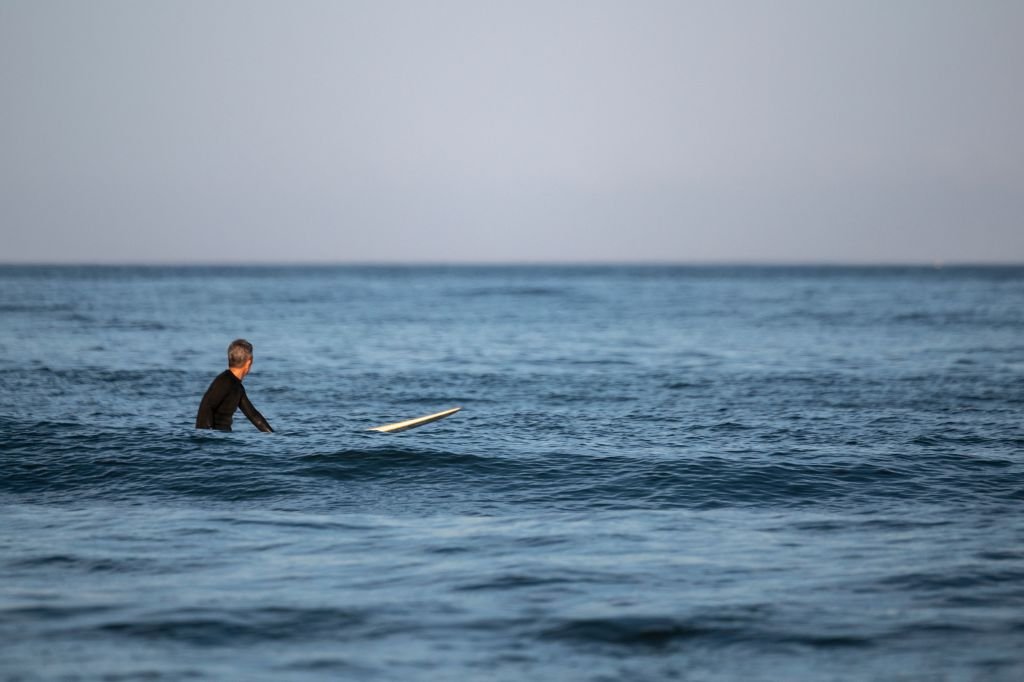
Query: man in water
(225, 394)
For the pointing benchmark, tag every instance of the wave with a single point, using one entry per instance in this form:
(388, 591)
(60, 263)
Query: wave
(72, 562)
(36, 307)
(656, 632)
(529, 291)
(219, 627)
(729, 462)
(126, 467)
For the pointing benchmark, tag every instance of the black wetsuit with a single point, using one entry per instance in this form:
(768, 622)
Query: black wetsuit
(223, 397)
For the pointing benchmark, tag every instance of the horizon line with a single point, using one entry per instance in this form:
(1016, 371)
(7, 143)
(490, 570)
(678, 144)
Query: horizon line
(935, 264)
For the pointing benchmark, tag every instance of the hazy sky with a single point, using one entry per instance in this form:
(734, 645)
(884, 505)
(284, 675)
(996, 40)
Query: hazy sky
(863, 130)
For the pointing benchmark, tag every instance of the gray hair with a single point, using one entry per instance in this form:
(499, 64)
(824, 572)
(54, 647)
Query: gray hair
(239, 353)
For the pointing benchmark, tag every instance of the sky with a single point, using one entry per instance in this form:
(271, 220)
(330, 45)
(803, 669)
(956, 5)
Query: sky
(782, 131)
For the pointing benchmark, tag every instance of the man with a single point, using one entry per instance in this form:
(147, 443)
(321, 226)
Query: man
(225, 394)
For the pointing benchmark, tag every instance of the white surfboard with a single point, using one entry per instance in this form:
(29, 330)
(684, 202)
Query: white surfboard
(413, 423)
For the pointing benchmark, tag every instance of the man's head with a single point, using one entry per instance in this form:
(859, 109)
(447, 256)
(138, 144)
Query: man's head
(240, 355)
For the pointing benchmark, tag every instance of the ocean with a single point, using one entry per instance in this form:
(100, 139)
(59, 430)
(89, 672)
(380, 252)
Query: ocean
(659, 472)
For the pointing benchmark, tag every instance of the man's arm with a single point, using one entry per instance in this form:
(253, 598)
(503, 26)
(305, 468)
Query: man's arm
(253, 414)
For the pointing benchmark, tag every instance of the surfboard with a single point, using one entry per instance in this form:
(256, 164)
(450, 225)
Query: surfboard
(413, 423)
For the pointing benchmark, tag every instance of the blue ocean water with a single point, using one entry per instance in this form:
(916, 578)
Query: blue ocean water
(699, 473)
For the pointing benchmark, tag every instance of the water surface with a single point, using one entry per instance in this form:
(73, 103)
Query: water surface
(700, 473)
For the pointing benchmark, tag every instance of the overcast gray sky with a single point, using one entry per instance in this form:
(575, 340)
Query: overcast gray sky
(792, 131)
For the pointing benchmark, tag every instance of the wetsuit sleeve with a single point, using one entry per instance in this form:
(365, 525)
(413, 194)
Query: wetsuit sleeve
(253, 414)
